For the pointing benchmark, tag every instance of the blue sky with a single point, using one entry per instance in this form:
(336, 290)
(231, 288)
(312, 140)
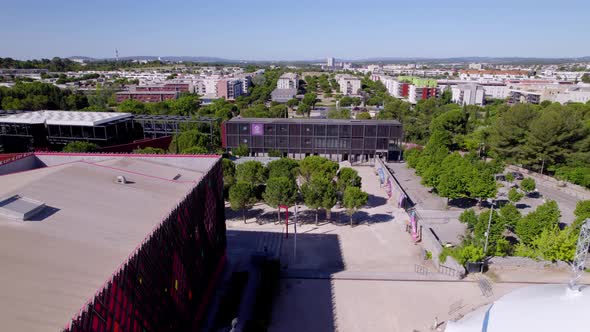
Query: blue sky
(287, 30)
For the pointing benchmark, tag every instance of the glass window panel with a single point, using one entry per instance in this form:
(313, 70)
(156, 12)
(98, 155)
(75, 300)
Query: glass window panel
(269, 129)
(294, 129)
(320, 130)
(282, 141)
(357, 131)
(382, 131)
(332, 130)
(345, 131)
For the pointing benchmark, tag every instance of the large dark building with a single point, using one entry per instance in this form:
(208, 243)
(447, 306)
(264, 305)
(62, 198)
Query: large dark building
(50, 130)
(23, 131)
(110, 242)
(353, 140)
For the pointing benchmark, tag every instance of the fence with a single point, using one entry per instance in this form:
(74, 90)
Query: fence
(166, 282)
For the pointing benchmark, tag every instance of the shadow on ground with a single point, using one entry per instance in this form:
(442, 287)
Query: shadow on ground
(303, 302)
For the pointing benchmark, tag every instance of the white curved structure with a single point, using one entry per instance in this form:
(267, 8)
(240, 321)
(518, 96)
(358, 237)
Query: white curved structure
(541, 308)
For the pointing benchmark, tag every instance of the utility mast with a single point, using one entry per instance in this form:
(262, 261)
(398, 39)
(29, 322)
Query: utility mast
(579, 262)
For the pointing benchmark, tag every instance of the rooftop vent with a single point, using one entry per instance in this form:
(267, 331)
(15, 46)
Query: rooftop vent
(120, 179)
(20, 208)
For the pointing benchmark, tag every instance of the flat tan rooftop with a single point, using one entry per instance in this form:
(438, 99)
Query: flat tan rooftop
(54, 263)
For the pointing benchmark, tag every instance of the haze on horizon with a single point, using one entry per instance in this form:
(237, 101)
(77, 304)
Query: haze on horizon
(306, 30)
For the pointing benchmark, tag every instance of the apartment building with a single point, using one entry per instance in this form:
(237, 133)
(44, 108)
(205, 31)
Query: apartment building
(147, 96)
(229, 89)
(288, 81)
(418, 93)
(496, 75)
(349, 85)
(468, 94)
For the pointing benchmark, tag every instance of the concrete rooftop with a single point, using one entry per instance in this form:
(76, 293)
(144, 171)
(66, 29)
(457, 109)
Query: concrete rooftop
(54, 263)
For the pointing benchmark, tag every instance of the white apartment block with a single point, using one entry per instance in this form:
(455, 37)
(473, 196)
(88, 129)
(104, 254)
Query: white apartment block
(571, 95)
(349, 85)
(330, 62)
(496, 91)
(468, 94)
(493, 75)
(392, 85)
(288, 81)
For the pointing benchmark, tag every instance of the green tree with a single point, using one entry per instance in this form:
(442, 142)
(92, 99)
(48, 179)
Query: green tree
(363, 116)
(188, 139)
(353, 199)
(509, 131)
(329, 198)
(551, 244)
(348, 177)
(185, 105)
(469, 217)
(150, 150)
(316, 165)
(251, 172)
(132, 106)
(80, 146)
(528, 185)
(275, 153)
(304, 109)
(241, 197)
(552, 136)
(509, 177)
(292, 102)
(481, 183)
(514, 195)
(278, 111)
(284, 167)
(229, 173)
(510, 215)
(530, 226)
(241, 151)
(280, 191)
(452, 182)
(319, 193)
(194, 150)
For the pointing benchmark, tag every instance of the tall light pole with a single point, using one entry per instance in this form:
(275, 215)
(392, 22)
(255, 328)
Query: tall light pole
(542, 165)
(485, 248)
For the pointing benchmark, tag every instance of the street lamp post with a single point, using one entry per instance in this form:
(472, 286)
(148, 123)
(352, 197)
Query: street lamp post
(485, 247)
(542, 165)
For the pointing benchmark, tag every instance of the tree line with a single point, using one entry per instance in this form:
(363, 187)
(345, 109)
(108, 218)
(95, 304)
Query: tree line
(315, 181)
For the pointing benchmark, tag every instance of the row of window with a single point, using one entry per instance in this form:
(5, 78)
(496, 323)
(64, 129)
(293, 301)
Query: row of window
(389, 131)
(296, 142)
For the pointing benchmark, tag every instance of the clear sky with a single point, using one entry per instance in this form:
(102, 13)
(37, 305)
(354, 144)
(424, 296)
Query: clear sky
(295, 30)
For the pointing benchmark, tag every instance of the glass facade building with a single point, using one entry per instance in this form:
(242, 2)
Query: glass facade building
(353, 140)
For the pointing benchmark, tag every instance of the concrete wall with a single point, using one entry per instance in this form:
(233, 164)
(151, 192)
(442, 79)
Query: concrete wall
(428, 241)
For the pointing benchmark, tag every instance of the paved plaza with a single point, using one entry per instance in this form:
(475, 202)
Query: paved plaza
(361, 278)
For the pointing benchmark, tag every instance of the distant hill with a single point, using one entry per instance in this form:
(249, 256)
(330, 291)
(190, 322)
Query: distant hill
(384, 60)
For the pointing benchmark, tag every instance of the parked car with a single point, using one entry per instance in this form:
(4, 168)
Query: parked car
(517, 175)
(500, 177)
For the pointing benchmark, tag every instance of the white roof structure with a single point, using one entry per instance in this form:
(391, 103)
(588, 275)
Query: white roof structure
(55, 261)
(540, 308)
(71, 118)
